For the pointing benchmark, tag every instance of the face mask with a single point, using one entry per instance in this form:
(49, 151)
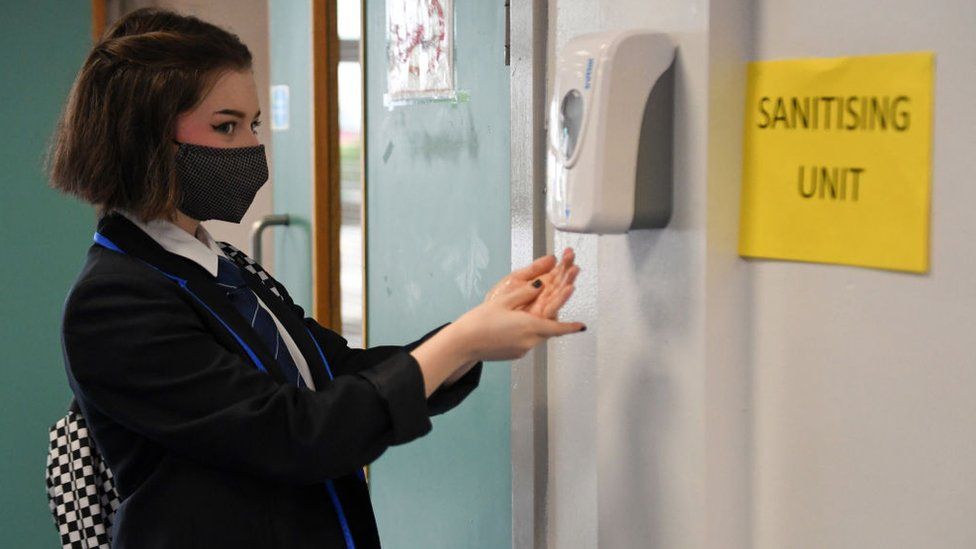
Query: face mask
(219, 183)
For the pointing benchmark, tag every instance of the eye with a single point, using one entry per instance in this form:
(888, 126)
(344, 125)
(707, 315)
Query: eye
(255, 125)
(226, 128)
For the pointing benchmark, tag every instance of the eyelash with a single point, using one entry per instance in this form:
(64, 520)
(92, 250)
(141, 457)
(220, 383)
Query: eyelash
(254, 127)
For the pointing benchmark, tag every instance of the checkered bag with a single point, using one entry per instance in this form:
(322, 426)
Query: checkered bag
(80, 489)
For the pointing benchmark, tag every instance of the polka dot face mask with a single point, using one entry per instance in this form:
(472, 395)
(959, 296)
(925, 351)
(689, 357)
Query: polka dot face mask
(219, 183)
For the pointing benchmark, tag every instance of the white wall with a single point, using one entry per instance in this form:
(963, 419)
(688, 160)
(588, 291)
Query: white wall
(626, 399)
(865, 381)
(723, 403)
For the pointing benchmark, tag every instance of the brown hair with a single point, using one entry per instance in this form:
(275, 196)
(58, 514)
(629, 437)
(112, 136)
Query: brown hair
(113, 145)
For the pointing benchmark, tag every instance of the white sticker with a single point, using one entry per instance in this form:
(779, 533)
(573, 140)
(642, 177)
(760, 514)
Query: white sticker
(279, 107)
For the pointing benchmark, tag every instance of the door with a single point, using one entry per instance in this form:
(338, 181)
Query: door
(438, 236)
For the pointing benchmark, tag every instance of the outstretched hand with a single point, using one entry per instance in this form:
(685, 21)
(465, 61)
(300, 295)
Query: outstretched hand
(518, 313)
(557, 284)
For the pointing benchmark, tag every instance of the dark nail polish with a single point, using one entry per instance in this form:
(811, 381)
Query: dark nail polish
(537, 283)
(583, 329)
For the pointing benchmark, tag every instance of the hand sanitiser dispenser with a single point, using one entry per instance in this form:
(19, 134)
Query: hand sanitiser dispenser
(610, 133)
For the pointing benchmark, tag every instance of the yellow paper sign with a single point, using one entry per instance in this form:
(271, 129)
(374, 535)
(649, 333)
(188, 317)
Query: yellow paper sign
(837, 161)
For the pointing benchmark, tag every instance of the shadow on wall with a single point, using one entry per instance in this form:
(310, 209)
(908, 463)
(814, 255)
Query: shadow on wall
(650, 297)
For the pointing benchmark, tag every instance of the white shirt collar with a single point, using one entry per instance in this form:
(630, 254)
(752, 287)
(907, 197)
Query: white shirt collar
(202, 249)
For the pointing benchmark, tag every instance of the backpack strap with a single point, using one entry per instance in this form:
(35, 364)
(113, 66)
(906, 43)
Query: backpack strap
(245, 262)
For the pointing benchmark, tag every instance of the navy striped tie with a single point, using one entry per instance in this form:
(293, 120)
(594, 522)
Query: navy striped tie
(230, 279)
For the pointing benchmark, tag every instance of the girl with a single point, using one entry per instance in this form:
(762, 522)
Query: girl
(227, 416)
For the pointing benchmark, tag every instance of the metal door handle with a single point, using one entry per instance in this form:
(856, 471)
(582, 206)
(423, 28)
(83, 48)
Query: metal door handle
(258, 229)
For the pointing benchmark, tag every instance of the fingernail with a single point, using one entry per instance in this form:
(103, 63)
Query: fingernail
(583, 329)
(537, 283)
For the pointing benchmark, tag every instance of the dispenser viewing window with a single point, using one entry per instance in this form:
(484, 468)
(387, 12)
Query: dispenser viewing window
(610, 133)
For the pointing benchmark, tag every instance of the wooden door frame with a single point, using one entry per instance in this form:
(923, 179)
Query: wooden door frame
(99, 19)
(326, 205)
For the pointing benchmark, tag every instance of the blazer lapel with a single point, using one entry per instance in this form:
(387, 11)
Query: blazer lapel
(294, 326)
(199, 281)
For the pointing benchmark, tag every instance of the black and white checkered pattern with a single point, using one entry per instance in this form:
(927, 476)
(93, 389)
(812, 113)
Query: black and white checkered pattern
(246, 262)
(80, 488)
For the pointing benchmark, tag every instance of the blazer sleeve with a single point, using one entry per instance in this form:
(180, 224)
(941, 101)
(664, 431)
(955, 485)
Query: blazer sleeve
(349, 361)
(137, 351)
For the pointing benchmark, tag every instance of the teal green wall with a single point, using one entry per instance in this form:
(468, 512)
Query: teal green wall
(290, 41)
(43, 239)
(438, 235)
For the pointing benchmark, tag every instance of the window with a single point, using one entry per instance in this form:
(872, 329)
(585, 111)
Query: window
(350, 87)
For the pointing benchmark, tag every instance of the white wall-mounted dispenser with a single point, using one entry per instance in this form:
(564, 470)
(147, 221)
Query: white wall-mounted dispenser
(610, 133)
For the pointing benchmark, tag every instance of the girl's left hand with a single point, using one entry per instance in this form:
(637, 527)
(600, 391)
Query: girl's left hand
(557, 284)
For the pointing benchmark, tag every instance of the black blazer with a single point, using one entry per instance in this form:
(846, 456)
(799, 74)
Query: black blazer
(207, 450)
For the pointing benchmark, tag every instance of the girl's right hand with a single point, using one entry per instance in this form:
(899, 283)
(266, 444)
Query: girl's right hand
(498, 330)
(501, 328)
(558, 284)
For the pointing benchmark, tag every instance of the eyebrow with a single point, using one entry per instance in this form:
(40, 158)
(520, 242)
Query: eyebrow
(235, 112)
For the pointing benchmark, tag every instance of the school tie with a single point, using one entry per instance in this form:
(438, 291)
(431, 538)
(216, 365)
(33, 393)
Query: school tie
(230, 279)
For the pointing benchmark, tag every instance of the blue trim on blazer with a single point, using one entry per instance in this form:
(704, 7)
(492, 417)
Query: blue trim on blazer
(102, 240)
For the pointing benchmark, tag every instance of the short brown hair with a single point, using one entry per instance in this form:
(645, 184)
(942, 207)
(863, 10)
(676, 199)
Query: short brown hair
(113, 145)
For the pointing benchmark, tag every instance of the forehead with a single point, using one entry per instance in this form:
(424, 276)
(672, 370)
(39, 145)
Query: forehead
(232, 90)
